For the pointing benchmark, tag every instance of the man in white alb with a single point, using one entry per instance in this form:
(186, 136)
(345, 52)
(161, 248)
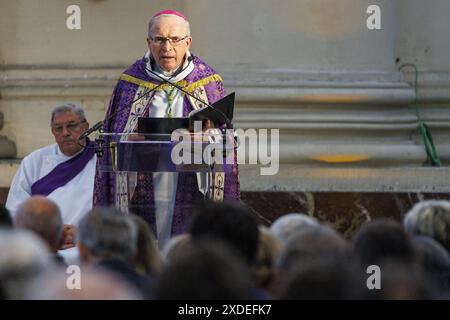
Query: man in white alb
(64, 172)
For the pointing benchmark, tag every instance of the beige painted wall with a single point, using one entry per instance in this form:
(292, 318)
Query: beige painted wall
(310, 35)
(294, 35)
(423, 28)
(112, 32)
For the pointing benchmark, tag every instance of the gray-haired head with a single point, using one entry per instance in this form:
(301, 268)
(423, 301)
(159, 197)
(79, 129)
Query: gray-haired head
(285, 226)
(66, 108)
(153, 20)
(430, 218)
(23, 256)
(108, 234)
(311, 243)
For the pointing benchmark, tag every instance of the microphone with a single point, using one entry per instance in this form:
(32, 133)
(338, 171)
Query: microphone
(96, 127)
(99, 124)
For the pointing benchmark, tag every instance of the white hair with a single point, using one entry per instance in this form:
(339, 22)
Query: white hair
(108, 233)
(411, 219)
(154, 19)
(68, 107)
(285, 226)
(23, 257)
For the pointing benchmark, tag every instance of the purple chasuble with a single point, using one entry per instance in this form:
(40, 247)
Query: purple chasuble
(63, 172)
(187, 194)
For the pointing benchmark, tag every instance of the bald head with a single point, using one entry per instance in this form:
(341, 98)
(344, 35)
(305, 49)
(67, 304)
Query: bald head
(43, 217)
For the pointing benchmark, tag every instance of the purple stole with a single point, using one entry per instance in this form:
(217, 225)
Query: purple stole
(63, 172)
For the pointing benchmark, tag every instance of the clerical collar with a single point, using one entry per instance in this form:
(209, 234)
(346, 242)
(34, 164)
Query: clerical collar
(160, 71)
(175, 76)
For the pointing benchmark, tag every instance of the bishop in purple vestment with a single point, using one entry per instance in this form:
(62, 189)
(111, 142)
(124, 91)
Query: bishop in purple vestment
(139, 93)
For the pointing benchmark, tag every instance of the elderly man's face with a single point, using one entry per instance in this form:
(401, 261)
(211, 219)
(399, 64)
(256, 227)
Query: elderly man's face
(67, 127)
(169, 56)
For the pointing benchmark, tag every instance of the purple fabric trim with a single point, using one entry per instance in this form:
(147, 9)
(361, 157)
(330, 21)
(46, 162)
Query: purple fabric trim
(63, 172)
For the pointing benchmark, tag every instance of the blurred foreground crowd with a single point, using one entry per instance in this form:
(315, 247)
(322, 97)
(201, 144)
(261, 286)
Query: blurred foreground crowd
(225, 255)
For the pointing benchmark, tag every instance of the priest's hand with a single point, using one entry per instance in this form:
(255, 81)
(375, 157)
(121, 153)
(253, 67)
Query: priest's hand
(68, 237)
(136, 137)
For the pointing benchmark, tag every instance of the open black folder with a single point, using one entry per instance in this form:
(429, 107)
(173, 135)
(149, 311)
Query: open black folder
(221, 109)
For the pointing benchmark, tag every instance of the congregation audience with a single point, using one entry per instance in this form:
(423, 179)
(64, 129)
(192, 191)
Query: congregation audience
(226, 255)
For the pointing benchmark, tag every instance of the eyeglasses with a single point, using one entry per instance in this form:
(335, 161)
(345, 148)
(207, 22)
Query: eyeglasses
(174, 41)
(71, 127)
